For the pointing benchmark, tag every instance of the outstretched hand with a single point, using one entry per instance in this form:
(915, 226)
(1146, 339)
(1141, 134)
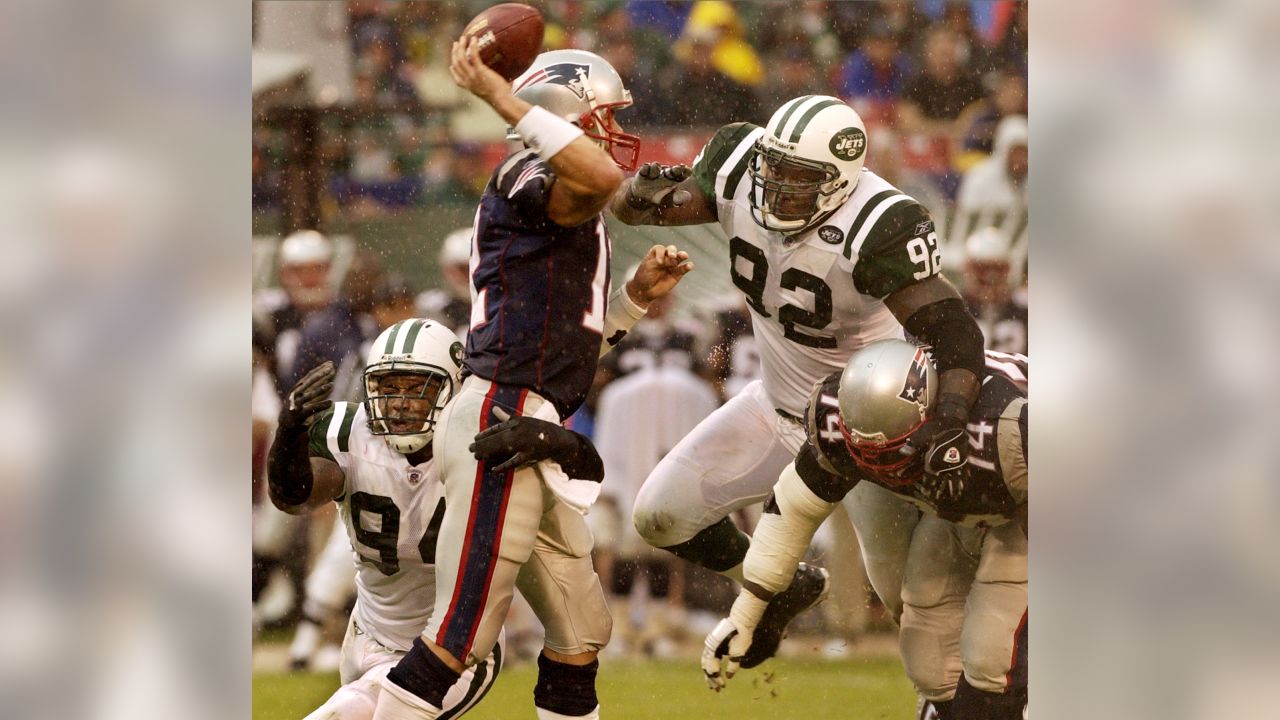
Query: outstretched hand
(470, 72)
(655, 184)
(309, 398)
(660, 271)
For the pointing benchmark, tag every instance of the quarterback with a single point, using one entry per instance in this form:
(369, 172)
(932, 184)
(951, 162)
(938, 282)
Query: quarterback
(830, 257)
(375, 460)
(964, 623)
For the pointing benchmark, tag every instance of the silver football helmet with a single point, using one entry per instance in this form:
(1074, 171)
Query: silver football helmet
(414, 367)
(806, 164)
(887, 391)
(584, 89)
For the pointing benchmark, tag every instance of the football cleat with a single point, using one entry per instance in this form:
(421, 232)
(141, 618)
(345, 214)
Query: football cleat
(809, 586)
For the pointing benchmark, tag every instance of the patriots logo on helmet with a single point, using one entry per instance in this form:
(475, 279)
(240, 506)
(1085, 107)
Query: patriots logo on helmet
(915, 386)
(571, 75)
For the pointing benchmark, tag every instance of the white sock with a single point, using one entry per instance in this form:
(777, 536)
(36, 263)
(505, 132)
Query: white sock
(544, 714)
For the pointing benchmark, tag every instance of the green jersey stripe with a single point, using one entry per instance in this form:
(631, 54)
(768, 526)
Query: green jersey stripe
(737, 162)
(791, 108)
(344, 432)
(809, 115)
(862, 218)
(874, 218)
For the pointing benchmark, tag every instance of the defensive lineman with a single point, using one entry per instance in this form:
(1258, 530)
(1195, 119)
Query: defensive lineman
(541, 312)
(830, 257)
(375, 459)
(965, 593)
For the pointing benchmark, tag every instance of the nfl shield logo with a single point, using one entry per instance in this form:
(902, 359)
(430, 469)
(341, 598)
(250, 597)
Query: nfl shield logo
(415, 476)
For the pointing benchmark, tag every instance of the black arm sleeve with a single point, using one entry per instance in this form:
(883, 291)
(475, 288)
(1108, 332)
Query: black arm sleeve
(826, 485)
(580, 460)
(950, 329)
(289, 478)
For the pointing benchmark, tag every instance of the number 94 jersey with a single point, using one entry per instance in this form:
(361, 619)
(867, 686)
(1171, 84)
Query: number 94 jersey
(392, 511)
(815, 297)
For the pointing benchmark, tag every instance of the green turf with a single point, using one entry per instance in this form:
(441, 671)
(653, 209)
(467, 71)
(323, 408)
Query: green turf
(781, 690)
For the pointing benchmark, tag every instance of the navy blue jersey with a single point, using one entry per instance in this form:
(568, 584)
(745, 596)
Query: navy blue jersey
(538, 289)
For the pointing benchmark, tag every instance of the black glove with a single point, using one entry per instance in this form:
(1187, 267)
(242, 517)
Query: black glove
(308, 399)
(945, 445)
(521, 441)
(655, 182)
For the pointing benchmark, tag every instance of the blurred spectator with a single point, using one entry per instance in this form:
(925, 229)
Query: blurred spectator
(934, 99)
(874, 75)
(665, 17)
(1009, 97)
(809, 25)
(305, 267)
(337, 332)
(451, 302)
(958, 18)
(885, 158)
(905, 20)
(732, 55)
(1009, 51)
(1000, 312)
(994, 193)
(694, 92)
(791, 76)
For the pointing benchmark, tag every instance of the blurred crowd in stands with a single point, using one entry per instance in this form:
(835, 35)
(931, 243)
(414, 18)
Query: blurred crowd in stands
(931, 79)
(941, 86)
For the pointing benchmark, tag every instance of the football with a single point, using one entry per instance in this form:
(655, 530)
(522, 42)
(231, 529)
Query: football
(510, 37)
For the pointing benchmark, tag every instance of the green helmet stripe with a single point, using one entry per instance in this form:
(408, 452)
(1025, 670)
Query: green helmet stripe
(412, 335)
(390, 349)
(794, 105)
(804, 119)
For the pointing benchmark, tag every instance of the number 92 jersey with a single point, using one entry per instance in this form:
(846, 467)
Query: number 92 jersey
(392, 511)
(817, 296)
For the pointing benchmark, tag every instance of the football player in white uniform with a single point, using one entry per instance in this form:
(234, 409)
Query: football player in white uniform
(375, 460)
(830, 257)
(964, 624)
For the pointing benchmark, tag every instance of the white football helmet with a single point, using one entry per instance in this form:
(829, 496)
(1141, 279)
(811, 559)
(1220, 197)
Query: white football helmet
(414, 348)
(806, 164)
(887, 391)
(584, 89)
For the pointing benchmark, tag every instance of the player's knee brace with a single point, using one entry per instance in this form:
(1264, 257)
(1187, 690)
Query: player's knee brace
(423, 674)
(566, 689)
(719, 547)
(971, 703)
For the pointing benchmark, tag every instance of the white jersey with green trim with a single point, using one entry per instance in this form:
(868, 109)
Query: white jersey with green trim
(392, 511)
(815, 297)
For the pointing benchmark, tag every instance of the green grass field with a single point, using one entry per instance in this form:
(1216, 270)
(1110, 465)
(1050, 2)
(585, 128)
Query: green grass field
(867, 689)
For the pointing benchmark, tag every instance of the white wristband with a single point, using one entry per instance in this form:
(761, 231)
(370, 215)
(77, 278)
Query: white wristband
(545, 133)
(622, 315)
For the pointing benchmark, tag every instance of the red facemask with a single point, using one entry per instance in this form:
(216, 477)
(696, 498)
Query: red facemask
(624, 148)
(884, 460)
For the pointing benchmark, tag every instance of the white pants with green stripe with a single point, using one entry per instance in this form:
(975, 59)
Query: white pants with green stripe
(365, 664)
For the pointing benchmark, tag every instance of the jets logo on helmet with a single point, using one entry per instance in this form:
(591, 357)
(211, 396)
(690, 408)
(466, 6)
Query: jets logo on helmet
(807, 163)
(849, 143)
(572, 75)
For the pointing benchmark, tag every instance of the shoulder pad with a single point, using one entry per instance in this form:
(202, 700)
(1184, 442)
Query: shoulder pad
(725, 153)
(821, 417)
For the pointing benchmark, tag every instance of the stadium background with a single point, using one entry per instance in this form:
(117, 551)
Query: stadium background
(359, 132)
